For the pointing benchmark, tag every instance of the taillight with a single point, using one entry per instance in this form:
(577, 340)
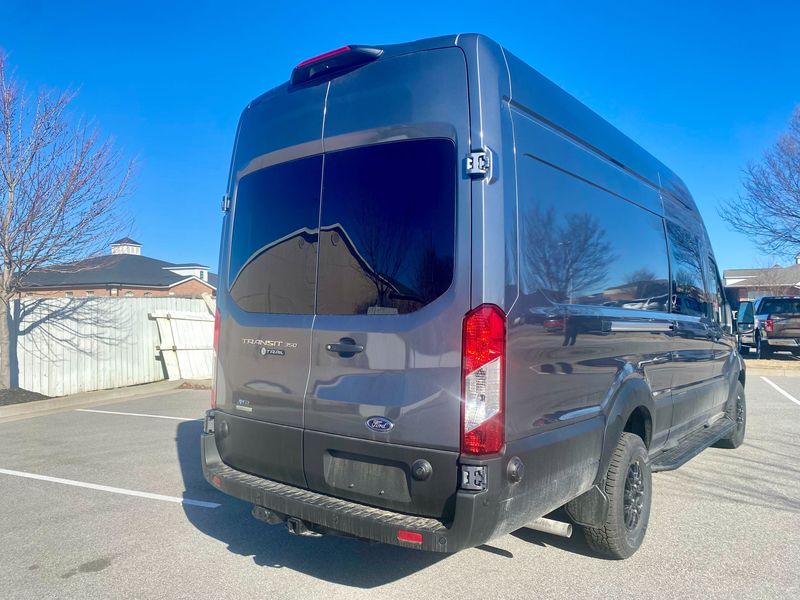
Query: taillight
(324, 56)
(334, 62)
(483, 374)
(409, 536)
(769, 325)
(214, 361)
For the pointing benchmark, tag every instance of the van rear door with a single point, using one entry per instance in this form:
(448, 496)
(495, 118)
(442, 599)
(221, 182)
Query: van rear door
(267, 301)
(393, 285)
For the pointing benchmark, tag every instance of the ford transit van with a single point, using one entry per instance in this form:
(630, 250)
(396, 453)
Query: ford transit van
(453, 299)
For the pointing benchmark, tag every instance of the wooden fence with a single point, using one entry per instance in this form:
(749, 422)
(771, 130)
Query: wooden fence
(69, 345)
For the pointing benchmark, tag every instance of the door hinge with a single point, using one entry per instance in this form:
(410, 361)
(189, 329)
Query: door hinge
(479, 163)
(226, 203)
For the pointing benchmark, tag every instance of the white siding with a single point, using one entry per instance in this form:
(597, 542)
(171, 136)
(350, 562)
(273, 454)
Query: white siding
(70, 345)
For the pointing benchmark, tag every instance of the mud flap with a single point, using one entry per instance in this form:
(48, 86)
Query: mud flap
(590, 509)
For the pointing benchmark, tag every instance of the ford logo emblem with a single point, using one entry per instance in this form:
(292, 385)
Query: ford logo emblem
(381, 424)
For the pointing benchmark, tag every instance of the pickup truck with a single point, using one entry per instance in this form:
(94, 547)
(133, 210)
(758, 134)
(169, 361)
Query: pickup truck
(769, 324)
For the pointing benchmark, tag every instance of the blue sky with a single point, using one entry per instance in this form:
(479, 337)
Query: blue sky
(705, 87)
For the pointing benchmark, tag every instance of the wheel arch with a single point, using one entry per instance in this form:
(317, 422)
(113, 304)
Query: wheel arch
(632, 410)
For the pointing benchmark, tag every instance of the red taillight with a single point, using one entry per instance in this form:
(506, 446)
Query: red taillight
(214, 361)
(483, 375)
(409, 536)
(308, 61)
(769, 325)
(334, 63)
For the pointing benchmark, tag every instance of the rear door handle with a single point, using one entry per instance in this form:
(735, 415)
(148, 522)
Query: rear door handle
(346, 347)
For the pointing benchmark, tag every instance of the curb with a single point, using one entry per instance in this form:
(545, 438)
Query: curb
(38, 408)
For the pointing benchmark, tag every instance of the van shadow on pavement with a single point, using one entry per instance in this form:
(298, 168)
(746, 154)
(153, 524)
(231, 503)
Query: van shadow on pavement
(338, 560)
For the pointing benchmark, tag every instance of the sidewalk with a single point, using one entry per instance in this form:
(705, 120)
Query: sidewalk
(38, 408)
(785, 366)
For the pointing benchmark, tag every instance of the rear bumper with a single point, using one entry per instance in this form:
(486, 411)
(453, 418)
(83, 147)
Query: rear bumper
(560, 464)
(787, 342)
(328, 512)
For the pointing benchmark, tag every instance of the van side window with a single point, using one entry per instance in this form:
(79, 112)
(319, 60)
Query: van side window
(717, 304)
(688, 290)
(273, 256)
(387, 233)
(582, 245)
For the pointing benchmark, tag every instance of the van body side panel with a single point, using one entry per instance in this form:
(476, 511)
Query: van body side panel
(407, 372)
(264, 352)
(564, 112)
(693, 348)
(594, 287)
(725, 367)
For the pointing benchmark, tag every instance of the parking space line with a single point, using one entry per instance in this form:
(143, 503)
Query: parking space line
(127, 414)
(782, 391)
(114, 490)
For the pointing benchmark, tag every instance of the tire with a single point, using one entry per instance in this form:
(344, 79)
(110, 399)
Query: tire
(628, 485)
(737, 412)
(763, 350)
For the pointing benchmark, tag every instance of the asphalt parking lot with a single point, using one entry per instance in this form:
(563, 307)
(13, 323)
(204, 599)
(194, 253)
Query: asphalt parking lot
(726, 525)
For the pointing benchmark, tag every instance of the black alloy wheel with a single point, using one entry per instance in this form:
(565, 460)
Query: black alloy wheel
(634, 495)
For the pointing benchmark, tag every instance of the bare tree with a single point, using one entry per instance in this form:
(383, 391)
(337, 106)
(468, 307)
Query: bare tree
(641, 275)
(384, 246)
(567, 256)
(768, 211)
(60, 187)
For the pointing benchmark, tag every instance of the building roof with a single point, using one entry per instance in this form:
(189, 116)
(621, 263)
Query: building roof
(126, 241)
(119, 269)
(186, 266)
(777, 276)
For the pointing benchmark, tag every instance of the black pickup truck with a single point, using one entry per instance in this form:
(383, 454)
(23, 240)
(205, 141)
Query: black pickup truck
(769, 324)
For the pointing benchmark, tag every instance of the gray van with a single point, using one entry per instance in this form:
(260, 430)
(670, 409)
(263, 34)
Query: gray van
(452, 300)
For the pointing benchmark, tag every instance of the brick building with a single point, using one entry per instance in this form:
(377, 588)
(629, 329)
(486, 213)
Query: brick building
(123, 273)
(746, 284)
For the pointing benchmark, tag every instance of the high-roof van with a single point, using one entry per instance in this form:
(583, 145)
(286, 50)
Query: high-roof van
(452, 300)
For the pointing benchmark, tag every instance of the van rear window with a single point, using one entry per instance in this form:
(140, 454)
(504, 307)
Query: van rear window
(386, 235)
(387, 231)
(273, 256)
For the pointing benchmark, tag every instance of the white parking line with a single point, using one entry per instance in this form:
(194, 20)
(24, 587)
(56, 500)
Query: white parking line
(114, 490)
(127, 414)
(782, 391)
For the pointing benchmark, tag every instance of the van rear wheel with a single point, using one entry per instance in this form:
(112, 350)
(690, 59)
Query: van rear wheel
(736, 411)
(628, 485)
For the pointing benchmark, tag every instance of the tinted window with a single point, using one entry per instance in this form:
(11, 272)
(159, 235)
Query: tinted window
(780, 306)
(581, 245)
(273, 247)
(717, 304)
(388, 227)
(688, 295)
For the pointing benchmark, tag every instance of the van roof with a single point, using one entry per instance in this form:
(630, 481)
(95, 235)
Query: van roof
(534, 93)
